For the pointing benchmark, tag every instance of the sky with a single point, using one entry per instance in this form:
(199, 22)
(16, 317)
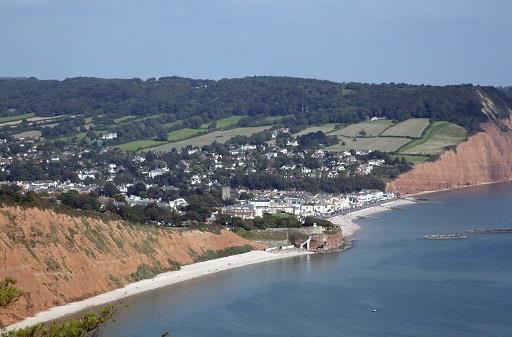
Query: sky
(412, 41)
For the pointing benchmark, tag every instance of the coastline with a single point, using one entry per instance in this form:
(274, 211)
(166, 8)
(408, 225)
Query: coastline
(456, 188)
(188, 272)
(348, 223)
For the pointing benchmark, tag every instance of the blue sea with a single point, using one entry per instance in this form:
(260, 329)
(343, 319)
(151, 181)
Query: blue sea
(417, 287)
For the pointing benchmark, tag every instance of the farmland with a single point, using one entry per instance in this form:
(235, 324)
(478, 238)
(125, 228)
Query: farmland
(124, 118)
(139, 145)
(372, 129)
(436, 139)
(206, 139)
(36, 134)
(384, 144)
(412, 158)
(224, 122)
(16, 118)
(412, 128)
(181, 134)
(325, 128)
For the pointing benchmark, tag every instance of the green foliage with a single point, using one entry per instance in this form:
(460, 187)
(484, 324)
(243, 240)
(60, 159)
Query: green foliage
(137, 145)
(182, 134)
(53, 265)
(145, 272)
(16, 117)
(87, 326)
(8, 292)
(137, 109)
(217, 254)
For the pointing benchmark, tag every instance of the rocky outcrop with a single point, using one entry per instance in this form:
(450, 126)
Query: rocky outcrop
(484, 158)
(57, 258)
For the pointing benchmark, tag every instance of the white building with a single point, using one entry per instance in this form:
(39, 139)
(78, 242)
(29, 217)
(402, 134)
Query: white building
(110, 135)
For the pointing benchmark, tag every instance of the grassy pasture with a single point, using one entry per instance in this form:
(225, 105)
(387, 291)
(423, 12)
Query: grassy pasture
(35, 134)
(206, 139)
(373, 129)
(124, 118)
(139, 145)
(325, 128)
(224, 122)
(413, 128)
(80, 136)
(436, 139)
(181, 134)
(8, 119)
(413, 159)
(384, 144)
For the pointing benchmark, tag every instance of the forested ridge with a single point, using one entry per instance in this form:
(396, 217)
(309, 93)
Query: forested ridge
(310, 101)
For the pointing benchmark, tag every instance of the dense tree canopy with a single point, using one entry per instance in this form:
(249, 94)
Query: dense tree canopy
(197, 101)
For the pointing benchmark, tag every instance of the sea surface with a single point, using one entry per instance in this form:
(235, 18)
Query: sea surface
(418, 287)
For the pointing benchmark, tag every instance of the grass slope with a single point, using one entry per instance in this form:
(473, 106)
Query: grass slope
(224, 122)
(139, 145)
(206, 139)
(413, 128)
(372, 129)
(384, 144)
(16, 118)
(181, 134)
(436, 138)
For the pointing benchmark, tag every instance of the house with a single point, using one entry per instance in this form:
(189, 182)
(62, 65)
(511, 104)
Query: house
(195, 180)
(178, 203)
(109, 135)
(158, 172)
(244, 211)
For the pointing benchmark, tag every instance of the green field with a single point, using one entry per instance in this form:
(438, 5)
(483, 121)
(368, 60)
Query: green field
(412, 158)
(325, 128)
(16, 118)
(372, 129)
(436, 139)
(132, 118)
(171, 124)
(384, 144)
(206, 139)
(80, 136)
(124, 118)
(181, 134)
(276, 119)
(224, 122)
(36, 134)
(139, 145)
(413, 128)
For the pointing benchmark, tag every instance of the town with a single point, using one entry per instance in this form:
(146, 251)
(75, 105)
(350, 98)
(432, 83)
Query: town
(248, 177)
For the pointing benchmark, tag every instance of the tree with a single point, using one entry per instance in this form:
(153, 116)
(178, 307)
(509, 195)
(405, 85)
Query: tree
(109, 190)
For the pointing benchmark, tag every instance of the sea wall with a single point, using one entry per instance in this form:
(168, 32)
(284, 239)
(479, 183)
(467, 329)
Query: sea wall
(484, 158)
(57, 258)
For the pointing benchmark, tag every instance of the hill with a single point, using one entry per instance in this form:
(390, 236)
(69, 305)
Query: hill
(57, 258)
(199, 102)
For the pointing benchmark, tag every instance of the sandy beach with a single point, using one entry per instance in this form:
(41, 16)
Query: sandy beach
(348, 222)
(188, 272)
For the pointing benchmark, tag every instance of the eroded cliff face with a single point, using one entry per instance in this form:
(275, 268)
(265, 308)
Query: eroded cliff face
(58, 259)
(485, 157)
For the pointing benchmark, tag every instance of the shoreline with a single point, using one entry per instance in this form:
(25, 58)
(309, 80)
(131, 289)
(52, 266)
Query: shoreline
(456, 188)
(348, 223)
(188, 272)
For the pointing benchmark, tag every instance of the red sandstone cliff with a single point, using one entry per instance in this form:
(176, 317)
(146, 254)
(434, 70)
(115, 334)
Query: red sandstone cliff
(58, 259)
(483, 158)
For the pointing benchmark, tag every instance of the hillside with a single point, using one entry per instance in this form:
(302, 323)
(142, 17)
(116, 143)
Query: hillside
(150, 109)
(483, 158)
(58, 259)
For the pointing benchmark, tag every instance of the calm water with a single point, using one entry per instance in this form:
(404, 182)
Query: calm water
(419, 287)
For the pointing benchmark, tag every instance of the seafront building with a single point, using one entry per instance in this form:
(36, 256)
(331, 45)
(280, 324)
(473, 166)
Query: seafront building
(302, 204)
